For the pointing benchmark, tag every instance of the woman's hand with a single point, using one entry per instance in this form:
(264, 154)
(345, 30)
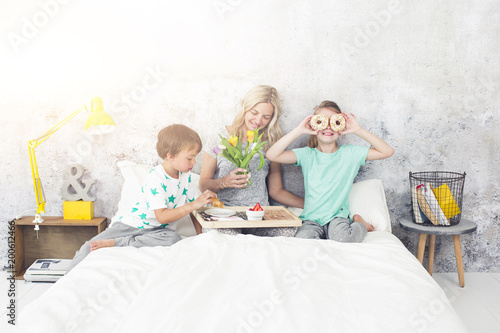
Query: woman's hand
(234, 180)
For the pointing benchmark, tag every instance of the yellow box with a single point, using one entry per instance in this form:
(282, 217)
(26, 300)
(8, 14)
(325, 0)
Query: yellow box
(446, 201)
(78, 210)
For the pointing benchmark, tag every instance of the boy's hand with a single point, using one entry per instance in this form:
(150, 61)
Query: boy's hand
(351, 124)
(204, 199)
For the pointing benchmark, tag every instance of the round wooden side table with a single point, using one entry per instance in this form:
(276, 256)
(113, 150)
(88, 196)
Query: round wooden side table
(464, 227)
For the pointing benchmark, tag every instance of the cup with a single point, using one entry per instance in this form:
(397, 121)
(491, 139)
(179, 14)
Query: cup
(254, 215)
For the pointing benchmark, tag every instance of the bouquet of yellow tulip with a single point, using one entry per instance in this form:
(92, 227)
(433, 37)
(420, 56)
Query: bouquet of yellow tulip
(232, 150)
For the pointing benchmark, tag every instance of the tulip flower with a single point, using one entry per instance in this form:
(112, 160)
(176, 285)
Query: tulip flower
(250, 136)
(233, 140)
(233, 150)
(217, 150)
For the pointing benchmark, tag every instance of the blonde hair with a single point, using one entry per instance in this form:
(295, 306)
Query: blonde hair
(175, 138)
(256, 95)
(313, 139)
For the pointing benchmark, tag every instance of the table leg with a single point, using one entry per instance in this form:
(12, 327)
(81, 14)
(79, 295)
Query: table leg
(421, 247)
(196, 224)
(458, 256)
(430, 264)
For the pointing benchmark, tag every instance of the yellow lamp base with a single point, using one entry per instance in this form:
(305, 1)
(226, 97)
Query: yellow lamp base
(78, 210)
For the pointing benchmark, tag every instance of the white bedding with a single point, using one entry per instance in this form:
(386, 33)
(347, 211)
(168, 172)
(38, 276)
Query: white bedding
(220, 283)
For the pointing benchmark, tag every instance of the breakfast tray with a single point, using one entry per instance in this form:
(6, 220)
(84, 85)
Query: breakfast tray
(274, 216)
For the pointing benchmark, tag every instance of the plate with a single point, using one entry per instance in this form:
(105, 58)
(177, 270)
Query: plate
(220, 212)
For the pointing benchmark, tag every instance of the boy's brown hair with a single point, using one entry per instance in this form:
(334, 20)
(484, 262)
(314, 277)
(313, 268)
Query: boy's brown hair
(175, 138)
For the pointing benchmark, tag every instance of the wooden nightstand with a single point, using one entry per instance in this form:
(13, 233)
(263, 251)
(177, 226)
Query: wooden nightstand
(57, 238)
(463, 227)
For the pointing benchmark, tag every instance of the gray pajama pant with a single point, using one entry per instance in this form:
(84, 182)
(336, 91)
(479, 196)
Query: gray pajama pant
(339, 229)
(125, 235)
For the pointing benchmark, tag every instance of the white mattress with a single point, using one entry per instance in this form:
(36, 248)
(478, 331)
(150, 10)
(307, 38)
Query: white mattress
(221, 283)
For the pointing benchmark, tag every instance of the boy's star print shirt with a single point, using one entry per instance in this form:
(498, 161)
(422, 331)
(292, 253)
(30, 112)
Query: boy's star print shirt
(159, 191)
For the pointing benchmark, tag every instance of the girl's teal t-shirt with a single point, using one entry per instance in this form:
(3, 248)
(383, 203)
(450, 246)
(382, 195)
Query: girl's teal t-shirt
(328, 179)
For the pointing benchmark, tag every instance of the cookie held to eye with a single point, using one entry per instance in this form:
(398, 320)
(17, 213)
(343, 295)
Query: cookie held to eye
(217, 203)
(319, 122)
(337, 122)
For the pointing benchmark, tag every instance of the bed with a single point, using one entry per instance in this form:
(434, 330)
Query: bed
(219, 283)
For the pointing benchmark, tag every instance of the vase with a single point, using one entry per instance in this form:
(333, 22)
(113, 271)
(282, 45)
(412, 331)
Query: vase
(249, 182)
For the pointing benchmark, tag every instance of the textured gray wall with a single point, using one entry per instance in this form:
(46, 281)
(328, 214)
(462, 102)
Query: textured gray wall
(423, 75)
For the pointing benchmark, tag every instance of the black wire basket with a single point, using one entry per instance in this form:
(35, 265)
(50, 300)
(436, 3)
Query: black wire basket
(436, 197)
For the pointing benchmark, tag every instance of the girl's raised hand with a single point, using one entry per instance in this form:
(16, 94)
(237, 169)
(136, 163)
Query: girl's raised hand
(305, 128)
(351, 124)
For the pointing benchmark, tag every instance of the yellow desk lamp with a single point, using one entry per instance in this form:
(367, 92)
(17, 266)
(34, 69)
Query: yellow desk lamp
(98, 122)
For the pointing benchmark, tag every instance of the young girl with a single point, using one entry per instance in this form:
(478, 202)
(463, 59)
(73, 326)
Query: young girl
(260, 108)
(329, 170)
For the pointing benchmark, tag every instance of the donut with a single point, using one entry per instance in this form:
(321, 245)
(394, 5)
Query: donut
(319, 122)
(337, 122)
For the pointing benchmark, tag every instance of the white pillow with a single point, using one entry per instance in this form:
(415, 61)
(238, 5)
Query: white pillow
(367, 198)
(133, 178)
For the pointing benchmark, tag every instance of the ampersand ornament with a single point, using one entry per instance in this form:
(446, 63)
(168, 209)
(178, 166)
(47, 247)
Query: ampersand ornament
(74, 188)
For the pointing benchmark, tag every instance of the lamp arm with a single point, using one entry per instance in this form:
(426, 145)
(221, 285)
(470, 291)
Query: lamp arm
(36, 142)
(37, 183)
(32, 145)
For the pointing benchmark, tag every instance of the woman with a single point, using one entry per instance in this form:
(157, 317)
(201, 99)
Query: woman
(260, 108)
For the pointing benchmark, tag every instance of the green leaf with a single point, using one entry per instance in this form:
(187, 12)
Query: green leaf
(231, 150)
(260, 137)
(256, 135)
(238, 145)
(262, 161)
(229, 157)
(246, 148)
(259, 146)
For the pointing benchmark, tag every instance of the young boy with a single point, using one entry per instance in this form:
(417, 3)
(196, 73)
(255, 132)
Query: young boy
(167, 195)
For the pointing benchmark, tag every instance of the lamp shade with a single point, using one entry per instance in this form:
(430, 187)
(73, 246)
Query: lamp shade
(98, 122)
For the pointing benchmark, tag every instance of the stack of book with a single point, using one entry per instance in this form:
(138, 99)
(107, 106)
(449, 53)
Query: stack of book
(47, 270)
(435, 205)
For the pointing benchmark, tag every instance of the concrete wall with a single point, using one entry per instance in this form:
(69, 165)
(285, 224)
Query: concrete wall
(423, 75)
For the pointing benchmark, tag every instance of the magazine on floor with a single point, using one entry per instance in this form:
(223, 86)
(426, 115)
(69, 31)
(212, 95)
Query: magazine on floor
(47, 270)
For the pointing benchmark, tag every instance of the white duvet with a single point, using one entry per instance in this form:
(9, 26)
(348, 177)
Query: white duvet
(220, 283)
